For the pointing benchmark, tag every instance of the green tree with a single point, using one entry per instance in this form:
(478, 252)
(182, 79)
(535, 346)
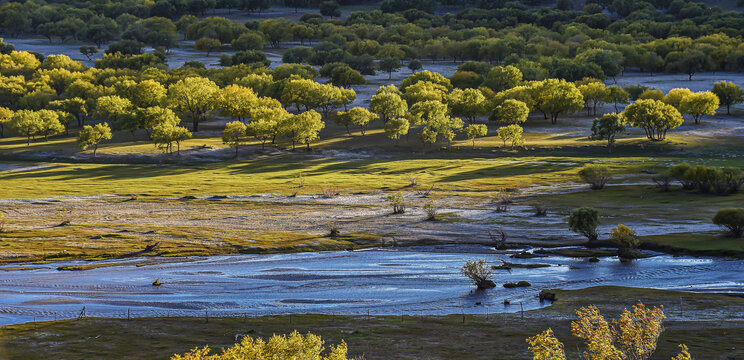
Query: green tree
(468, 104)
(396, 127)
(595, 94)
(728, 93)
(510, 112)
(330, 8)
(475, 130)
(607, 127)
(616, 95)
(26, 122)
(501, 78)
(74, 105)
(147, 93)
(653, 116)
(387, 102)
(5, 116)
(165, 135)
(555, 97)
(234, 134)
(585, 221)
(357, 116)
(207, 44)
(151, 117)
(93, 135)
(302, 128)
(511, 133)
(699, 104)
(116, 109)
(389, 65)
(688, 62)
(194, 97)
(732, 220)
(415, 65)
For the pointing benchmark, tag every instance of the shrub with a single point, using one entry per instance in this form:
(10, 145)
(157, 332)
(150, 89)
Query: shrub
(539, 210)
(732, 220)
(584, 221)
(397, 202)
(595, 175)
(677, 172)
(625, 239)
(333, 230)
(663, 181)
(331, 192)
(430, 210)
(479, 273)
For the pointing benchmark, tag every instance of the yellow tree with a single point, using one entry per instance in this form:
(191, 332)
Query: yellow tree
(236, 102)
(545, 346)
(234, 134)
(93, 135)
(5, 115)
(699, 104)
(294, 346)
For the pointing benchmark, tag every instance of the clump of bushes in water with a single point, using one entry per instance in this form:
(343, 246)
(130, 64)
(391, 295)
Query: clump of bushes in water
(626, 240)
(703, 179)
(479, 273)
(732, 220)
(595, 175)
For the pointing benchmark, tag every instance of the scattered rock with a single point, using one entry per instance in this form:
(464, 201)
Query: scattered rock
(511, 285)
(594, 259)
(547, 295)
(507, 302)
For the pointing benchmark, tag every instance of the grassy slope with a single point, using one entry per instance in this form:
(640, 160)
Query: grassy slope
(442, 337)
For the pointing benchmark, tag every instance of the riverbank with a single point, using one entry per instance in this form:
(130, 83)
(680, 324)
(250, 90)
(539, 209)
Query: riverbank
(386, 337)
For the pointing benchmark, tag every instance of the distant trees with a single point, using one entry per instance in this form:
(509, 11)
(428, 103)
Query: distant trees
(31, 123)
(511, 133)
(473, 131)
(357, 116)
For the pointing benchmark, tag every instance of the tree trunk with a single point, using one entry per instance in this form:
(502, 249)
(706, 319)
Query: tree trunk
(95, 149)
(195, 123)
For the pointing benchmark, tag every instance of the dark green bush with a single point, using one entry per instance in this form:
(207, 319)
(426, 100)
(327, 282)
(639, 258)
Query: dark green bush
(732, 220)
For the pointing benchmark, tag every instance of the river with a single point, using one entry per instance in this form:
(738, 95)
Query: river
(382, 281)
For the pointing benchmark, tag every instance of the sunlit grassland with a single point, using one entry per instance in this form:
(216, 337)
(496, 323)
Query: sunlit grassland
(107, 241)
(280, 174)
(387, 337)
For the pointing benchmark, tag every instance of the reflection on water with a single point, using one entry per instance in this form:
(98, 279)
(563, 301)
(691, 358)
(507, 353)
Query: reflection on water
(382, 281)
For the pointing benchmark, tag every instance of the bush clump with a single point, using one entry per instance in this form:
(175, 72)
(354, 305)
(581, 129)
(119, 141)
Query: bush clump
(479, 273)
(585, 221)
(732, 220)
(626, 240)
(595, 175)
(704, 179)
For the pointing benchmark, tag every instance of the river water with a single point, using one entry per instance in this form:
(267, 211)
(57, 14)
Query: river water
(382, 281)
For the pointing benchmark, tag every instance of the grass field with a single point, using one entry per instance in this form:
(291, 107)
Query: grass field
(385, 337)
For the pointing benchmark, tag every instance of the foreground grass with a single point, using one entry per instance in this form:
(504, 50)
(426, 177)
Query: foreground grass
(381, 337)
